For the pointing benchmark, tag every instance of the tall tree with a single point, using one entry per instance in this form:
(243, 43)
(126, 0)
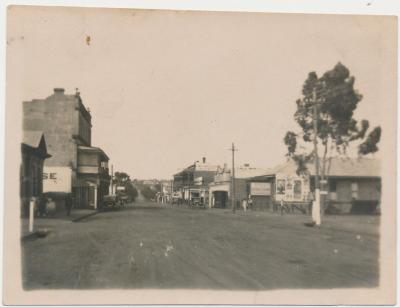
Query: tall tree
(336, 102)
(121, 178)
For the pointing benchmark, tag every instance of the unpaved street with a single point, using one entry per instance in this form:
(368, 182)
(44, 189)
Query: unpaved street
(146, 246)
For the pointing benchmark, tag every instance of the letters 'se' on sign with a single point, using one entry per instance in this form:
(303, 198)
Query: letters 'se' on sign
(57, 179)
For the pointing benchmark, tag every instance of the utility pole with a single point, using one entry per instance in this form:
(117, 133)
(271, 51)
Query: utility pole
(188, 194)
(112, 179)
(316, 208)
(233, 149)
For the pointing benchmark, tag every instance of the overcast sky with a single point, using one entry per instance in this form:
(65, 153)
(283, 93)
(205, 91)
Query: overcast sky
(166, 88)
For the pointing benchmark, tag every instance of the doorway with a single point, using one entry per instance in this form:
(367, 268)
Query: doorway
(220, 199)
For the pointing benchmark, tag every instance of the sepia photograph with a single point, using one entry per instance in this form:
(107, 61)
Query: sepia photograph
(177, 156)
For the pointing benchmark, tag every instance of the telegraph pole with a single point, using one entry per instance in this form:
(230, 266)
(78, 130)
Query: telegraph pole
(233, 178)
(316, 208)
(112, 179)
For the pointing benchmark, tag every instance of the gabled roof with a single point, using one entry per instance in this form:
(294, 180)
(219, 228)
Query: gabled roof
(34, 141)
(32, 138)
(339, 167)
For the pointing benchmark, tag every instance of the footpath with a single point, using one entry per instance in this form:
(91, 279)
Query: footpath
(44, 225)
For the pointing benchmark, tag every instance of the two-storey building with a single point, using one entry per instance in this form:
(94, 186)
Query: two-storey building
(192, 182)
(221, 188)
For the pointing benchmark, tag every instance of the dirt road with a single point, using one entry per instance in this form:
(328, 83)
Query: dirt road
(146, 246)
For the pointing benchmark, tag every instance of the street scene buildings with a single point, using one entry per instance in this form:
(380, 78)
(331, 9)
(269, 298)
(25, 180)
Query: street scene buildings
(75, 169)
(202, 151)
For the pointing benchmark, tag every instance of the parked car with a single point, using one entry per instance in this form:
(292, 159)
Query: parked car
(112, 202)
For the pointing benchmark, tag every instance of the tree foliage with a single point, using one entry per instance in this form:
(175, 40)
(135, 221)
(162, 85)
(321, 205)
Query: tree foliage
(131, 191)
(120, 178)
(123, 179)
(370, 144)
(336, 102)
(148, 192)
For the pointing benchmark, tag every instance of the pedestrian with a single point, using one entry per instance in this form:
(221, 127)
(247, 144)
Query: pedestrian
(68, 204)
(250, 202)
(282, 206)
(42, 207)
(50, 207)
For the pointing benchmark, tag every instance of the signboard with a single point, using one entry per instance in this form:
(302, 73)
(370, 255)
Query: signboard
(120, 188)
(260, 188)
(198, 181)
(57, 179)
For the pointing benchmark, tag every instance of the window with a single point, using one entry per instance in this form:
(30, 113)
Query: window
(297, 189)
(104, 164)
(332, 185)
(354, 190)
(280, 186)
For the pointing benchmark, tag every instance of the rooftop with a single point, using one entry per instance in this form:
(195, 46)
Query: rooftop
(244, 171)
(339, 167)
(35, 140)
(32, 138)
(94, 150)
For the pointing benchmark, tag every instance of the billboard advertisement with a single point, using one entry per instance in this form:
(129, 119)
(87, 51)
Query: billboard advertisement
(57, 179)
(260, 188)
(292, 188)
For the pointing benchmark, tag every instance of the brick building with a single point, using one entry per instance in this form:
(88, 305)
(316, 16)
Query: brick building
(75, 166)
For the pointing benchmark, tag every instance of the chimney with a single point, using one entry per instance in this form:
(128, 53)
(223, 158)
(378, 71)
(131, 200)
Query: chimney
(59, 91)
(204, 160)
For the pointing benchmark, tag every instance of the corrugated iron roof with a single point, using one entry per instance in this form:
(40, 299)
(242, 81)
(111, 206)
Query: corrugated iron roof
(339, 167)
(93, 149)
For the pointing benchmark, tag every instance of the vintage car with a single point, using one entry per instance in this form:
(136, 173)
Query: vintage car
(112, 202)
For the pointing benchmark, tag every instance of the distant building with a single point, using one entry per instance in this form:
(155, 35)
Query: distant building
(166, 191)
(34, 152)
(152, 183)
(75, 166)
(352, 186)
(221, 188)
(192, 183)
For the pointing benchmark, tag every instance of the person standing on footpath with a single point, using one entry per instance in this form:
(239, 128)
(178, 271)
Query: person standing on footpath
(68, 204)
(250, 202)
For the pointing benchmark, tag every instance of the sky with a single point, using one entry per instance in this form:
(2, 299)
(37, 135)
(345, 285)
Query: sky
(166, 88)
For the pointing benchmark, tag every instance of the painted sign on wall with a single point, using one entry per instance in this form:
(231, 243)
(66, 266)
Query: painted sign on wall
(57, 179)
(260, 188)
